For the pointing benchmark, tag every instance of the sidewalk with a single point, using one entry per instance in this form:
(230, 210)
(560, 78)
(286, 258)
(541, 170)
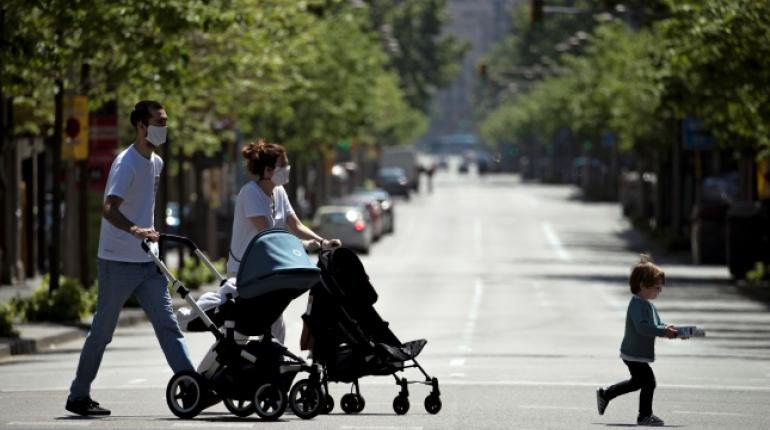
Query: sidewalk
(39, 336)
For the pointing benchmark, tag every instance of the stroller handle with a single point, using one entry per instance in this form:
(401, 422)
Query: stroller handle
(181, 239)
(170, 238)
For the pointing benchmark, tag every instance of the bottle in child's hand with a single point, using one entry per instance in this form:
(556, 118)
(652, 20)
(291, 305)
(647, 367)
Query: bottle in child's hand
(688, 331)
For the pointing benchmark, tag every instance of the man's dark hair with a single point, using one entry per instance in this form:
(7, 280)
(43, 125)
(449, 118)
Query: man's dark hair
(143, 111)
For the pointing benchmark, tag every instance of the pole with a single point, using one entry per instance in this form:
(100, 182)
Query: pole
(55, 270)
(85, 278)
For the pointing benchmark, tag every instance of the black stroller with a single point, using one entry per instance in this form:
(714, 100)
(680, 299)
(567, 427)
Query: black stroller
(250, 375)
(350, 340)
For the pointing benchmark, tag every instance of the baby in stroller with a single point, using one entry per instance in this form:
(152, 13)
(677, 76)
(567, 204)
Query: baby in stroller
(249, 376)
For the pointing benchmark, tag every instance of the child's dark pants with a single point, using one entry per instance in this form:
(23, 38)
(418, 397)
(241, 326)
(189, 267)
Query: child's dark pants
(641, 378)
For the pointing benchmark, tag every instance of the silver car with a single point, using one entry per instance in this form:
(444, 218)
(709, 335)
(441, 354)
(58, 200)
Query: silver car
(350, 224)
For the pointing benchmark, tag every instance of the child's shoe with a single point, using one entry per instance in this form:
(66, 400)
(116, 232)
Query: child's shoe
(601, 401)
(651, 421)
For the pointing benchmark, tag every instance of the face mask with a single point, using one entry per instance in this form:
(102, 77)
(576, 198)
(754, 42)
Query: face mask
(281, 175)
(156, 135)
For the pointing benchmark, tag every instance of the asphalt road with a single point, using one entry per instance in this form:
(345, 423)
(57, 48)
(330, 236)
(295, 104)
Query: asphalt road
(520, 290)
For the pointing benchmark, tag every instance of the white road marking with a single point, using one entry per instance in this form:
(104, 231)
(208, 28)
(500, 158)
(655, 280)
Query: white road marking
(348, 427)
(729, 414)
(215, 425)
(470, 325)
(562, 408)
(58, 423)
(512, 383)
(554, 241)
(473, 314)
(477, 236)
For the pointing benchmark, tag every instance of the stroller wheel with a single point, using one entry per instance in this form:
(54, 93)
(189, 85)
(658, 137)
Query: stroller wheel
(269, 402)
(239, 408)
(184, 394)
(328, 404)
(306, 399)
(360, 403)
(349, 403)
(433, 404)
(401, 404)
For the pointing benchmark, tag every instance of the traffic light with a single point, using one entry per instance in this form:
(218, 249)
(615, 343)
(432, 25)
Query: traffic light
(536, 12)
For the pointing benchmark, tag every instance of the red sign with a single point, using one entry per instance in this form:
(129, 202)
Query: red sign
(103, 134)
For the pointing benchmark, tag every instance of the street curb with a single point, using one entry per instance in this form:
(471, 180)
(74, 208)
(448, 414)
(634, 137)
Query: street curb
(5, 351)
(65, 333)
(34, 345)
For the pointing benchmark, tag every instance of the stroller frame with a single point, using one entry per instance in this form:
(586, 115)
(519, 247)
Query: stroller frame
(221, 373)
(354, 402)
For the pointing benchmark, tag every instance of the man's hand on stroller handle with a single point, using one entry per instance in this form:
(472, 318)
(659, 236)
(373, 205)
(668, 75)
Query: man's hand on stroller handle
(145, 233)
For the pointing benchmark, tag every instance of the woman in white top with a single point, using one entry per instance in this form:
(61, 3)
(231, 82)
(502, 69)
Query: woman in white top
(264, 204)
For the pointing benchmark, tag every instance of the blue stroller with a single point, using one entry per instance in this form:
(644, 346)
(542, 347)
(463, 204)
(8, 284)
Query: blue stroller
(249, 376)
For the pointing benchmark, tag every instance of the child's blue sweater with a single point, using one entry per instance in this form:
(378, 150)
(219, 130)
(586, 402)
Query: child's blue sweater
(642, 325)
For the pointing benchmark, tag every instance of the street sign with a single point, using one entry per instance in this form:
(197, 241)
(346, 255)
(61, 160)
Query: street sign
(695, 135)
(75, 137)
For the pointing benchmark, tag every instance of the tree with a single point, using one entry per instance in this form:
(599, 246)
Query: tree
(423, 55)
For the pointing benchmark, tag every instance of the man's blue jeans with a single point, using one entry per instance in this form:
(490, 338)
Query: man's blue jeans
(117, 280)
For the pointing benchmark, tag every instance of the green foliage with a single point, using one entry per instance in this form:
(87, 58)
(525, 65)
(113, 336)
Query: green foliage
(759, 274)
(707, 58)
(194, 273)
(302, 73)
(424, 56)
(68, 303)
(718, 60)
(6, 321)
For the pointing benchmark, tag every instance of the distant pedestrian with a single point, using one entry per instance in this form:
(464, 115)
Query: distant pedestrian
(637, 350)
(124, 268)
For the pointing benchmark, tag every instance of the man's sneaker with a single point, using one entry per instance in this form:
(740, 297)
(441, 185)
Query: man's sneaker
(651, 421)
(86, 407)
(601, 401)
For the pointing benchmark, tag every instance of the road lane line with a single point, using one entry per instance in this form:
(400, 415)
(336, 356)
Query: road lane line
(58, 423)
(554, 241)
(726, 414)
(211, 424)
(349, 427)
(511, 383)
(561, 408)
(477, 236)
(473, 313)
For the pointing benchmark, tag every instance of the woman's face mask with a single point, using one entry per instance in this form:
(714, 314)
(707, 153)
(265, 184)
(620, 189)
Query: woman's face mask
(156, 134)
(281, 175)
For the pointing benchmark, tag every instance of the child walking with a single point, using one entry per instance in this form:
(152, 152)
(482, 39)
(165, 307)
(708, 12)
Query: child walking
(637, 350)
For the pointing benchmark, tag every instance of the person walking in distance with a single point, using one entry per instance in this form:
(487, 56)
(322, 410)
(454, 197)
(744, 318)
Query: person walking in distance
(123, 267)
(643, 325)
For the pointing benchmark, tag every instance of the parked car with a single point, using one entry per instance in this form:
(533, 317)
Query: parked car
(370, 205)
(350, 224)
(386, 206)
(394, 181)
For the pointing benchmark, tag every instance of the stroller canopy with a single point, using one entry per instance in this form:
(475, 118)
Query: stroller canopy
(275, 260)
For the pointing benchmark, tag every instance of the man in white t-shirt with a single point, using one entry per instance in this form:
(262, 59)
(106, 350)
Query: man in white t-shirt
(124, 268)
